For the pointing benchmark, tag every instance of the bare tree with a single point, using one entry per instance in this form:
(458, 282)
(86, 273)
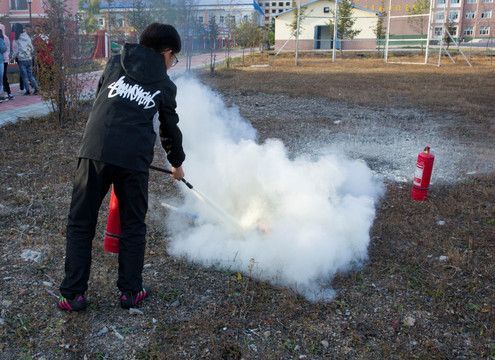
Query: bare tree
(345, 23)
(380, 29)
(60, 76)
(248, 35)
(419, 23)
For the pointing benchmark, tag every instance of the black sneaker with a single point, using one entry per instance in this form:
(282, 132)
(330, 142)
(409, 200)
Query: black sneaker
(129, 300)
(11, 97)
(77, 304)
(27, 93)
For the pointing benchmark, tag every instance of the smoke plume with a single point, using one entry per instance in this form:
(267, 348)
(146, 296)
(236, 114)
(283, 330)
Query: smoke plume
(304, 219)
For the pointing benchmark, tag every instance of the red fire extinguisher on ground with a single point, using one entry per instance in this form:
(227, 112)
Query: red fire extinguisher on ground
(112, 235)
(422, 175)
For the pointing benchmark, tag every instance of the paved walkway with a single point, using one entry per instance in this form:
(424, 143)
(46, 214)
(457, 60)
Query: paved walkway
(26, 106)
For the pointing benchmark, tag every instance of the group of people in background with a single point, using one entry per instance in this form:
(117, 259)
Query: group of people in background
(28, 49)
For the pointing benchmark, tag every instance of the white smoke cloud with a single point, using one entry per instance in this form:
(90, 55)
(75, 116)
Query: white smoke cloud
(318, 210)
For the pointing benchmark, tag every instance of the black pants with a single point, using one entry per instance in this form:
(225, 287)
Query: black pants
(6, 85)
(91, 184)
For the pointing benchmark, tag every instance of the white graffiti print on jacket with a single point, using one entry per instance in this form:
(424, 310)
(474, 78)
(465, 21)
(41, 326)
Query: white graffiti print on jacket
(132, 92)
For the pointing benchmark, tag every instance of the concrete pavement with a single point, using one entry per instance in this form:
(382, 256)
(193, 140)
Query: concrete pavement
(26, 106)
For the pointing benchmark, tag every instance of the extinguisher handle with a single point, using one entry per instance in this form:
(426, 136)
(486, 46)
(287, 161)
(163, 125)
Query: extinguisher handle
(170, 172)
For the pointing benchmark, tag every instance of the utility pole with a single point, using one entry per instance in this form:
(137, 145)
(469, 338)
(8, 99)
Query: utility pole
(297, 30)
(335, 33)
(30, 17)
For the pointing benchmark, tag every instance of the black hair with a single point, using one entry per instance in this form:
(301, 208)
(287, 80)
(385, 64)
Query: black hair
(161, 37)
(18, 29)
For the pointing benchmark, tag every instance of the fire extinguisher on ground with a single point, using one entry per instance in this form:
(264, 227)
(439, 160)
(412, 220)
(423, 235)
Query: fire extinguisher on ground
(422, 175)
(112, 235)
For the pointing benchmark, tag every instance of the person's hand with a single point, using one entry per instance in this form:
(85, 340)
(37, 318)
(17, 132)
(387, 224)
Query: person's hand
(177, 173)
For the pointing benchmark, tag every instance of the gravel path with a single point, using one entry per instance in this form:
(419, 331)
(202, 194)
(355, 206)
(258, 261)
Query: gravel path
(388, 139)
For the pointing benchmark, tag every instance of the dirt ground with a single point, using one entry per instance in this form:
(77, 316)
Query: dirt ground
(426, 292)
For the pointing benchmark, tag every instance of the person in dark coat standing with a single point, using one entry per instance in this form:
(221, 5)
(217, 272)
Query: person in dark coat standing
(117, 148)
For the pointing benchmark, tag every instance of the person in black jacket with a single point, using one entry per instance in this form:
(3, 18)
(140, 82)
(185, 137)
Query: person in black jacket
(117, 148)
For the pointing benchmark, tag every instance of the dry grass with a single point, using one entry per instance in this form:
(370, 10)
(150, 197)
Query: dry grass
(452, 87)
(407, 302)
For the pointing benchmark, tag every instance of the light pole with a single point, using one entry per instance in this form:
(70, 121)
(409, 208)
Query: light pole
(30, 18)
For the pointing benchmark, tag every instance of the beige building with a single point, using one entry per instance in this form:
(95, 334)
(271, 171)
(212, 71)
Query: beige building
(314, 30)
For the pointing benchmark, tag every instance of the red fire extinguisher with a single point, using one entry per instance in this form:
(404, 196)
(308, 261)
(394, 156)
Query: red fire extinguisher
(422, 175)
(112, 235)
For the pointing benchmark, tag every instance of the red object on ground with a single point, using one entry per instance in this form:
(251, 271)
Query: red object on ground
(114, 230)
(422, 175)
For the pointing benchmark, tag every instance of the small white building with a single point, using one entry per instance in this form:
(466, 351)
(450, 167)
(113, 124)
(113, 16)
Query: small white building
(227, 15)
(315, 32)
(227, 12)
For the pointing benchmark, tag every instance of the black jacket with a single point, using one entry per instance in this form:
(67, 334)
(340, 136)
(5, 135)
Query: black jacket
(133, 87)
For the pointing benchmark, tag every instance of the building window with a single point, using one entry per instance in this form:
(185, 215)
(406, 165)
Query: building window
(274, 4)
(222, 19)
(18, 5)
(101, 22)
(200, 19)
(486, 14)
(438, 31)
(470, 14)
(487, 1)
(287, 4)
(326, 9)
(484, 30)
(440, 3)
(455, 3)
(440, 16)
(468, 31)
(267, 4)
(267, 11)
(274, 11)
(245, 18)
(453, 31)
(454, 15)
(472, 1)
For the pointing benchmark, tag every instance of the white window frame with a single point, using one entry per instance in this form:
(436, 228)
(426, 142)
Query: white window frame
(487, 1)
(440, 16)
(454, 15)
(486, 14)
(440, 3)
(471, 1)
(470, 14)
(484, 30)
(468, 31)
(18, 5)
(453, 30)
(455, 3)
(438, 31)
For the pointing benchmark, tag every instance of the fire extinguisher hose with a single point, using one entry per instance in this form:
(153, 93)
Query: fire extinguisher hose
(170, 172)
